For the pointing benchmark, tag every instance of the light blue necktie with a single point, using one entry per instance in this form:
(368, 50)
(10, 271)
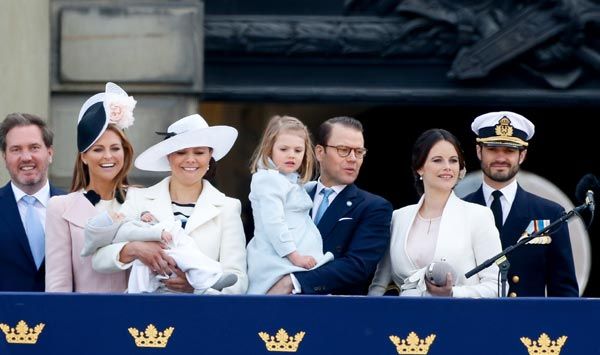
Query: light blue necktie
(34, 230)
(326, 191)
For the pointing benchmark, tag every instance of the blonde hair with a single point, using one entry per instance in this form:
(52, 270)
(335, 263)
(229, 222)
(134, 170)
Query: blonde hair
(276, 126)
(81, 173)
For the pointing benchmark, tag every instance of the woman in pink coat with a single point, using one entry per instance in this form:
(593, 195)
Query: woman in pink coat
(100, 176)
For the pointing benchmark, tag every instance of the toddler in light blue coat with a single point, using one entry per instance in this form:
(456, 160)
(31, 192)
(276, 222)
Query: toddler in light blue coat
(286, 239)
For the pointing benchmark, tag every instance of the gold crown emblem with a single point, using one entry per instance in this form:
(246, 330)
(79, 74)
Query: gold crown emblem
(151, 338)
(412, 345)
(282, 342)
(544, 345)
(503, 128)
(22, 334)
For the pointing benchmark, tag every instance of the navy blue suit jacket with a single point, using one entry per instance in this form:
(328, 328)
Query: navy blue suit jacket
(17, 267)
(356, 230)
(536, 267)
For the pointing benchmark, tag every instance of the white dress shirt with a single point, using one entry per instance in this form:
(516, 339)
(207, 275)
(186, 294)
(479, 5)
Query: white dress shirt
(42, 197)
(319, 196)
(508, 196)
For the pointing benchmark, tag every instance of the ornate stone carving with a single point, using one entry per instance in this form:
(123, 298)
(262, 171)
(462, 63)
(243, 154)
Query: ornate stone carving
(553, 40)
(328, 37)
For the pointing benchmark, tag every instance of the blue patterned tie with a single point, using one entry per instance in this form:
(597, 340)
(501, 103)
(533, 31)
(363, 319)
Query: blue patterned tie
(34, 230)
(497, 209)
(326, 191)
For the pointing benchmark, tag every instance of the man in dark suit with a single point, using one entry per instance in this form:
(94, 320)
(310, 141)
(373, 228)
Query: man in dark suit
(354, 224)
(535, 270)
(26, 143)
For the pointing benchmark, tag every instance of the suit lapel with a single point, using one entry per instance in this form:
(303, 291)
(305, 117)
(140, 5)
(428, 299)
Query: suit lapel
(517, 219)
(157, 200)
(10, 212)
(311, 189)
(78, 210)
(478, 196)
(451, 226)
(341, 206)
(206, 207)
(406, 223)
(54, 191)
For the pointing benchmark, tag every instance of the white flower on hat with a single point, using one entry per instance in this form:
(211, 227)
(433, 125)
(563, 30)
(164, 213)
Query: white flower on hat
(120, 109)
(117, 108)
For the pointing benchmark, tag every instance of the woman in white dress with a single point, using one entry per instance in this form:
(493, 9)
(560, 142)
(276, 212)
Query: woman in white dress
(439, 228)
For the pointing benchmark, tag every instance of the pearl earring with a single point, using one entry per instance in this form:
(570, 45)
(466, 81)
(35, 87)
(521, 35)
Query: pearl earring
(420, 177)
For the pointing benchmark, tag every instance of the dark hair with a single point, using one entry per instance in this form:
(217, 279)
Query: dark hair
(16, 119)
(324, 131)
(422, 147)
(211, 173)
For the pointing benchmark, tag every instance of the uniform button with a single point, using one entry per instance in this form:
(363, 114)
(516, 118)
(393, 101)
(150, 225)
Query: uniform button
(512, 294)
(515, 279)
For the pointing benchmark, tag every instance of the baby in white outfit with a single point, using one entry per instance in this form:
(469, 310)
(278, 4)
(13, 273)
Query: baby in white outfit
(201, 271)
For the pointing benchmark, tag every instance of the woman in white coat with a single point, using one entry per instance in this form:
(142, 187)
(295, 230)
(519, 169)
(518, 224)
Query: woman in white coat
(439, 228)
(189, 151)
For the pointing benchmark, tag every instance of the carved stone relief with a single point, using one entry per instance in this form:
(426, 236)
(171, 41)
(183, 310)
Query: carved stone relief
(556, 41)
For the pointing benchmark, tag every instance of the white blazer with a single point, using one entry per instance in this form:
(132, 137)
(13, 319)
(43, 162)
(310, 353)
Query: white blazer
(215, 225)
(467, 237)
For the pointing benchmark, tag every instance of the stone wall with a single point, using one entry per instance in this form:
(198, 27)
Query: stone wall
(24, 59)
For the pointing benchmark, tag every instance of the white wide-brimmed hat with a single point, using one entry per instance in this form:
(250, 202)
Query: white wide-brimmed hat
(188, 132)
(111, 106)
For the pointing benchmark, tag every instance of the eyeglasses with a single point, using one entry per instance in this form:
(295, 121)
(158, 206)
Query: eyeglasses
(344, 151)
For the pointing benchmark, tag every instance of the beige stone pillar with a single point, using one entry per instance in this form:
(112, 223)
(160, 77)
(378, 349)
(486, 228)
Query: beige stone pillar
(24, 59)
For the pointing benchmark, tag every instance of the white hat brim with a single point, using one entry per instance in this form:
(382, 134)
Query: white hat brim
(219, 138)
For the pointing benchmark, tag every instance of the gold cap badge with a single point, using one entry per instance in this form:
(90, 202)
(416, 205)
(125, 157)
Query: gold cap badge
(504, 128)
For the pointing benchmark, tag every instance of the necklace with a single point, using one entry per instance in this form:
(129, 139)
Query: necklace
(429, 222)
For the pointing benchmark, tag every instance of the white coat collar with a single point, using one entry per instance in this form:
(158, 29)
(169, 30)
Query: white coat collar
(206, 206)
(78, 209)
(292, 177)
(452, 217)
